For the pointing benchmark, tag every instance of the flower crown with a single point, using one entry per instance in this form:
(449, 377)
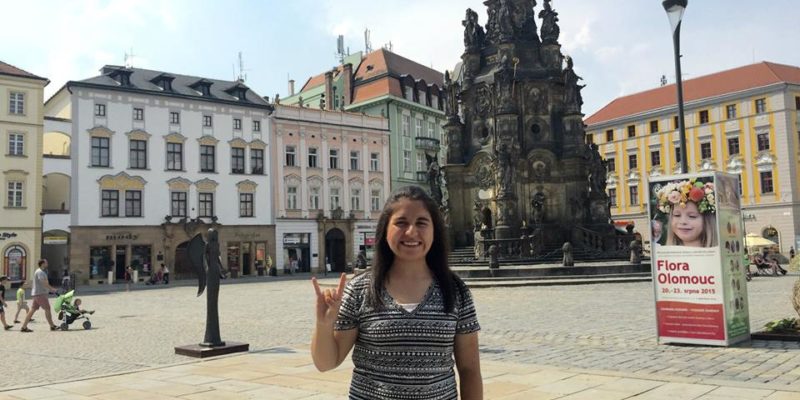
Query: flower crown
(679, 193)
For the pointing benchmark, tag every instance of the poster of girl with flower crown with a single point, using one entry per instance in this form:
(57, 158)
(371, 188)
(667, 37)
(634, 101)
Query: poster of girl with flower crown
(699, 283)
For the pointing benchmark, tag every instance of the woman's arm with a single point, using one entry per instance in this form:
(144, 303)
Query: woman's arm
(468, 364)
(328, 347)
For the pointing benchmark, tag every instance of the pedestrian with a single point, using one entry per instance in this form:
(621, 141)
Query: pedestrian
(21, 303)
(408, 319)
(164, 273)
(39, 295)
(128, 278)
(791, 252)
(3, 304)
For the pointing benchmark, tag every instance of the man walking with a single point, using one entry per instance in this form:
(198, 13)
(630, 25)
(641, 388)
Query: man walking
(41, 288)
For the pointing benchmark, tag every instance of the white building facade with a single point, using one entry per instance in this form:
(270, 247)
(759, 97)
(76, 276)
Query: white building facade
(157, 158)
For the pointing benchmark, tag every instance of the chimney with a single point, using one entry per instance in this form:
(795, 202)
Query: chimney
(291, 87)
(329, 90)
(347, 89)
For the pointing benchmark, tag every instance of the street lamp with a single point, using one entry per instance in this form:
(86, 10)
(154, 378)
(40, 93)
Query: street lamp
(675, 10)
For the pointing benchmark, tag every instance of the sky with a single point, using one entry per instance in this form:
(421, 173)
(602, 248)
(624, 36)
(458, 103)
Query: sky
(619, 47)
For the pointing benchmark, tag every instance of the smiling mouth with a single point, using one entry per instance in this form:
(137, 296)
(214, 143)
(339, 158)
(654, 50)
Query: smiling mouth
(411, 244)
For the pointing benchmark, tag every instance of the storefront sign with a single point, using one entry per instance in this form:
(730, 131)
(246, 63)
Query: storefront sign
(55, 240)
(697, 260)
(122, 236)
(7, 235)
(248, 235)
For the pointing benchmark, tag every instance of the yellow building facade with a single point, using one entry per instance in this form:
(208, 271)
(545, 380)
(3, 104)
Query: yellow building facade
(21, 127)
(743, 121)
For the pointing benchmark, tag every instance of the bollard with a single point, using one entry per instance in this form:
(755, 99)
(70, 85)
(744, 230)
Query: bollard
(110, 277)
(135, 276)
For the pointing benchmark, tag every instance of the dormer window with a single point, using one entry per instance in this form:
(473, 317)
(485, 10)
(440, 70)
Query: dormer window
(121, 75)
(239, 91)
(164, 81)
(203, 87)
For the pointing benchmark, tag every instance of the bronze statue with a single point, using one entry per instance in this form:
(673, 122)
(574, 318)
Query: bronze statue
(206, 261)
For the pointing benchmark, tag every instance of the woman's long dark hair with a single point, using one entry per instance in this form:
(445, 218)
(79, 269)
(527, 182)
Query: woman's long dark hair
(436, 257)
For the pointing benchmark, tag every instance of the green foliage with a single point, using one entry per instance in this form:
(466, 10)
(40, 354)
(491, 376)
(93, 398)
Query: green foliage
(783, 325)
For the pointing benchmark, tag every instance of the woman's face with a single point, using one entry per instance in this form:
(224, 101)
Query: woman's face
(687, 224)
(410, 230)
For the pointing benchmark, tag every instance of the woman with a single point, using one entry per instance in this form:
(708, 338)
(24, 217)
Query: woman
(410, 318)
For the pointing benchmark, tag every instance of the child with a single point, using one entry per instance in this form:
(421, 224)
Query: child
(21, 303)
(73, 311)
(408, 317)
(3, 304)
(691, 209)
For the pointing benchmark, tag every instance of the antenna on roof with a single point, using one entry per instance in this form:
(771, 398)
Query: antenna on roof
(388, 46)
(129, 59)
(340, 48)
(663, 80)
(241, 77)
(367, 42)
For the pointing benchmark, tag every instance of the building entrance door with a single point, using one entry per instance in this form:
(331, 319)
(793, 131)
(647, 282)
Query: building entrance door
(335, 249)
(119, 264)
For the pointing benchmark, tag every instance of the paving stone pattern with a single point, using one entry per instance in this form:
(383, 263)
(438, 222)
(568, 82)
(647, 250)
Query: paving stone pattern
(608, 327)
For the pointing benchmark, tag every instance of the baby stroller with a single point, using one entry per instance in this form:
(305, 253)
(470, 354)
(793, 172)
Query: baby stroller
(68, 312)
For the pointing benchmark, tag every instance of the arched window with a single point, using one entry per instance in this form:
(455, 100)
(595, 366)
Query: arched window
(14, 261)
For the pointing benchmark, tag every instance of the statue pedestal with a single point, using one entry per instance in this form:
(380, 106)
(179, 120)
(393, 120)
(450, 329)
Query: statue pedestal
(197, 351)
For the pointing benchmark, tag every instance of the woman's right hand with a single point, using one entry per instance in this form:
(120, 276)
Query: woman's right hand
(329, 301)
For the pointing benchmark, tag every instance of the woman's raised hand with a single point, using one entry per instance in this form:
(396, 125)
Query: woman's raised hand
(329, 301)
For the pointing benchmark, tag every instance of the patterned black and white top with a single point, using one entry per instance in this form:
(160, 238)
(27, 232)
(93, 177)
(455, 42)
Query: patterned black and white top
(402, 355)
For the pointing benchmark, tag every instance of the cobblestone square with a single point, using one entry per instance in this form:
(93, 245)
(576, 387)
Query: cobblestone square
(603, 327)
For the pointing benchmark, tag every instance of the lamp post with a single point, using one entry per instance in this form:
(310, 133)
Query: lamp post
(675, 9)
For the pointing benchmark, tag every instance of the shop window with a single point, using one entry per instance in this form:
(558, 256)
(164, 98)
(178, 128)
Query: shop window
(141, 258)
(99, 261)
(14, 261)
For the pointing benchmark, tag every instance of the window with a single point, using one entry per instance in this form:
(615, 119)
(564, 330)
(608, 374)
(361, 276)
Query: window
(207, 121)
(611, 164)
(766, 182)
(730, 111)
(675, 122)
(14, 261)
(417, 127)
(15, 144)
(763, 141)
(138, 114)
(291, 197)
(245, 204)
(677, 154)
(110, 203)
(313, 198)
(733, 146)
(421, 161)
(257, 161)
(705, 150)
(375, 200)
(654, 126)
(334, 159)
(138, 154)
(761, 106)
(797, 102)
(175, 156)
(355, 199)
(655, 158)
(610, 135)
(374, 164)
(256, 126)
(206, 203)
(16, 103)
(312, 157)
(612, 197)
(14, 194)
(174, 117)
(178, 204)
(334, 198)
(100, 152)
(431, 129)
(207, 158)
(632, 161)
(406, 160)
(237, 160)
(406, 130)
(354, 158)
(631, 130)
(634, 195)
(703, 117)
(133, 203)
(237, 124)
(589, 138)
(99, 110)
